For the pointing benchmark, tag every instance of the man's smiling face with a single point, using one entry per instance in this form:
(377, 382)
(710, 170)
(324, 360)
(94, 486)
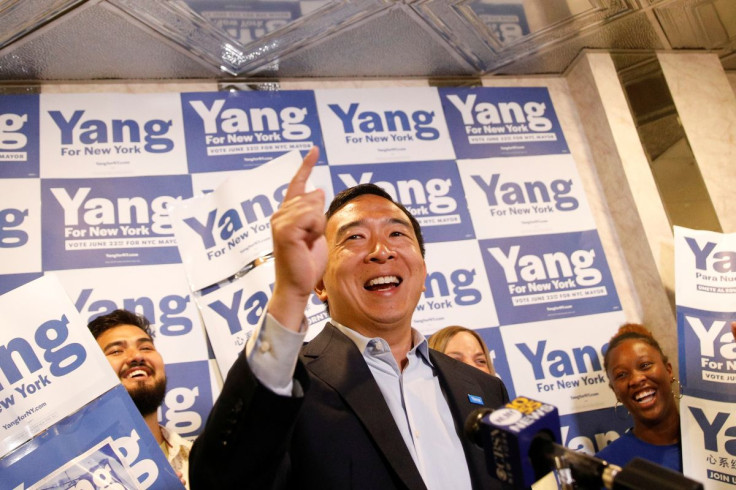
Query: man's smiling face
(137, 363)
(375, 270)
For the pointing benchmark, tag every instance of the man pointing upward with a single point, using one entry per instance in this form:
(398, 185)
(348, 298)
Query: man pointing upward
(365, 404)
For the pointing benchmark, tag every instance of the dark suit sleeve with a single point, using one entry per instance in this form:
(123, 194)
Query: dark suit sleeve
(247, 435)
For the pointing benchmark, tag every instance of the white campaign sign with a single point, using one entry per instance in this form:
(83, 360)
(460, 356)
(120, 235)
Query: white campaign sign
(456, 289)
(20, 226)
(50, 365)
(561, 361)
(231, 312)
(705, 277)
(529, 195)
(95, 135)
(221, 232)
(708, 452)
(383, 125)
(706, 269)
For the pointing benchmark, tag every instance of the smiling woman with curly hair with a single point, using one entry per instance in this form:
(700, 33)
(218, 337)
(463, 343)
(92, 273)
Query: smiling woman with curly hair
(640, 376)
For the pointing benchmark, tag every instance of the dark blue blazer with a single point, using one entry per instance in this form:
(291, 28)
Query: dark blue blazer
(339, 435)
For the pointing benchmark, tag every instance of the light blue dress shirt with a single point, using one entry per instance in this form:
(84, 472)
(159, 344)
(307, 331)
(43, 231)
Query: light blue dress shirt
(414, 395)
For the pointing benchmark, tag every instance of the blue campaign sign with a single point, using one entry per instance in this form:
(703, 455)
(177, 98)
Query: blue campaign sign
(707, 354)
(19, 136)
(592, 430)
(545, 277)
(110, 222)
(188, 398)
(492, 122)
(432, 192)
(247, 21)
(237, 130)
(104, 443)
(506, 20)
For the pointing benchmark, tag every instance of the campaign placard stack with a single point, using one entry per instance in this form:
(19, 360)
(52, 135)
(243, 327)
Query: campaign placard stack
(66, 420)
(160, 203)
(705, 278)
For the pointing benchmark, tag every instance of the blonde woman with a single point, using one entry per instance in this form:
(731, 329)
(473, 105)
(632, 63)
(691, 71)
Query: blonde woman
(463, 344)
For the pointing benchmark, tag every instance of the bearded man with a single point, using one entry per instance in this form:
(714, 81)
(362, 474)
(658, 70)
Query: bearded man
(127, 341)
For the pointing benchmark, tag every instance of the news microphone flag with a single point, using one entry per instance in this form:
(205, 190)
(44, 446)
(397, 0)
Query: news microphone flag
(509, 432)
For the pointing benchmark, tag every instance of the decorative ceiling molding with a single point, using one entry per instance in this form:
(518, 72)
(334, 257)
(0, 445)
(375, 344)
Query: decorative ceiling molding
(46, 40)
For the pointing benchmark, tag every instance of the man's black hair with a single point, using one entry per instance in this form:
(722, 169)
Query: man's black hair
(116, 318)
(344, 197)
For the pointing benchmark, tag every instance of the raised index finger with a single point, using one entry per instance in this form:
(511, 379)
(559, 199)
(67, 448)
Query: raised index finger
(299, 181)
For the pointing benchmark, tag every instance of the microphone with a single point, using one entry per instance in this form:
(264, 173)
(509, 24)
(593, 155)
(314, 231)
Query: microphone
(521, 441)
(509, 434)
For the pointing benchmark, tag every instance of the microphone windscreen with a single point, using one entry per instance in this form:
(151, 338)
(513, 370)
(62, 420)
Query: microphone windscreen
(511, 438)
(472, 426)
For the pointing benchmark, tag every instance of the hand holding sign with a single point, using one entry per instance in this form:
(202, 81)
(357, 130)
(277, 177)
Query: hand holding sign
(299, 246)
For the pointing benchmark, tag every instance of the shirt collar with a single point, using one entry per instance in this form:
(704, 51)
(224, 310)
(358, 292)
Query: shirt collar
(175, 443)
(419, 342)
